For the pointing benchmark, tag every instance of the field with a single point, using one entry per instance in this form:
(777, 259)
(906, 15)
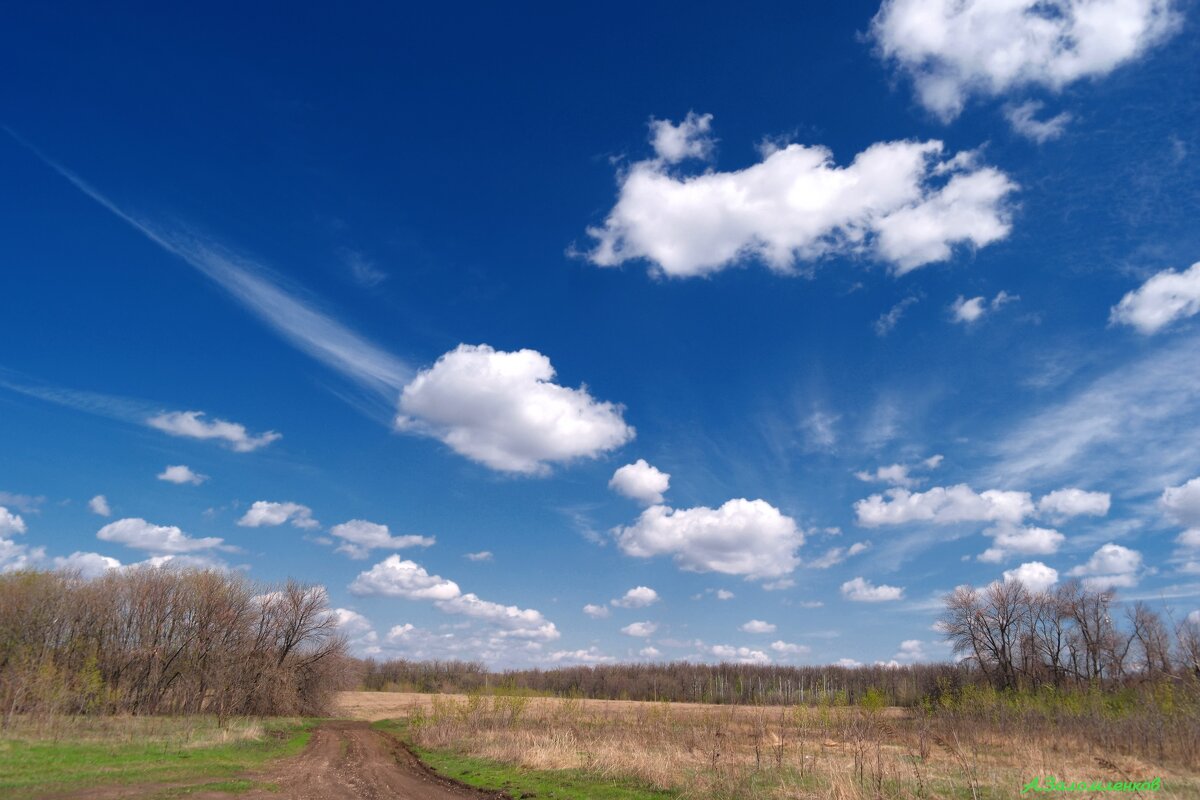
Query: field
(576, 749)
(700, 751)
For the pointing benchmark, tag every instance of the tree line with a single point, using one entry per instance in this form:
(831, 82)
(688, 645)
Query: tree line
(1006, 637)
(166, 641)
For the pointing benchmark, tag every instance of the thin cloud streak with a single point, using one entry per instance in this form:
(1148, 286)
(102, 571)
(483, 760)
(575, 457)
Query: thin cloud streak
(313, 332)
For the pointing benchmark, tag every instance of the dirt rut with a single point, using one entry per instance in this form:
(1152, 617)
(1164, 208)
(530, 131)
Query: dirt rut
(344, 760)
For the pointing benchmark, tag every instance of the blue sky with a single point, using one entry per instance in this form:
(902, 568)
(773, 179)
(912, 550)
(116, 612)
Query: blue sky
(899, 297)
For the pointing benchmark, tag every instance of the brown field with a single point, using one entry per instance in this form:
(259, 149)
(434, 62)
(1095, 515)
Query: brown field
(706, 751)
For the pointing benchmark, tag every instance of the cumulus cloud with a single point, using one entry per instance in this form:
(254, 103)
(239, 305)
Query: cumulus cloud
(899, 474)
(861, 590)
(482, 555)
(161, 539)
(649, 652)
(192, 425)
(955, 49)
(503, 410)
(1036, 576)
(968, 310)
(742, 655)
(360, 537)
(358, 631)
(943, 506)
(1023, 119)
(596, 611)
(15, 556)
(265, 513)
(641, 482)
(640, 629)
(724, 594)
(902, 203)
(1182, 503)
(786, 648)
(21, 502)
(1166, 297)
(742, 537)
(1112, 566)
(689, 139)
(638, 597)
(592, 655)
(1073, 503)
(88, 565)
(757, 626)
(99, 505)
(394, 577)
(10, 523)
(181, 473)
(1008, 540)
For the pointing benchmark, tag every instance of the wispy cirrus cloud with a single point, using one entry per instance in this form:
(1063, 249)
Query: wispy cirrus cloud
(264, 294)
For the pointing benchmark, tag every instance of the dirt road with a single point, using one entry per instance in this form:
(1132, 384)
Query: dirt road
(344, 760)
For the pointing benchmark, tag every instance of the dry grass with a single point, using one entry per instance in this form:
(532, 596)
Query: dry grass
(762, 752)
(172, 733)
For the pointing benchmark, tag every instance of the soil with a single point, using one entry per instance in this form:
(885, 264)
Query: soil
(343, 760)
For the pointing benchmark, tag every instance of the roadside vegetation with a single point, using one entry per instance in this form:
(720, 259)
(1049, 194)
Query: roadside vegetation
(52, 755)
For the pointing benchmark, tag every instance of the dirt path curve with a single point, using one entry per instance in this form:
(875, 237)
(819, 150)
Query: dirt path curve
(344, 760)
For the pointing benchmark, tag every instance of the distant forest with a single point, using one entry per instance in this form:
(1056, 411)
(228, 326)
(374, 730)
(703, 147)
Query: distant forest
(1007, 638)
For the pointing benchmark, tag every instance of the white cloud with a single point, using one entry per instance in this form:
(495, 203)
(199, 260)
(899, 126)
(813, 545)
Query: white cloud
(1182, 503)
(503, 410)
(967, 311)
(724, 594)
(248, 282)
(757, 626)
(1008, 539)
(863, 591)
(1023, 119)
(181, 473)
(638, 597)
(99, 505)
(641, 482)
(1036, 576)
(955, 49)
(889, 319)
(911, 650)
(520, 623)
(649, 652)
(742, 655)
(848, 663)
(779, 585)
(394, 577)
(22, 502)
(1064, 503)
(742, 537)
(858, 547)
(10, 523)
(790, 649)
(162, 539)
(596, 612)
(1164, 298)
(482, 555)
(15, 556)
(1194, 618)
(191, 424)
(640, 629)
(820, 431)
(358, 630)
(265, 513)
(900, 202)
(592, 655)
(689, 139)
(1111, 566)
(88, 565)
(360, 537)
(893, 474)
(943, 506)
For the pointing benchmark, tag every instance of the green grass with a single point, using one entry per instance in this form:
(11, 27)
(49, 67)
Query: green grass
(559, 784)
(142, 750)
